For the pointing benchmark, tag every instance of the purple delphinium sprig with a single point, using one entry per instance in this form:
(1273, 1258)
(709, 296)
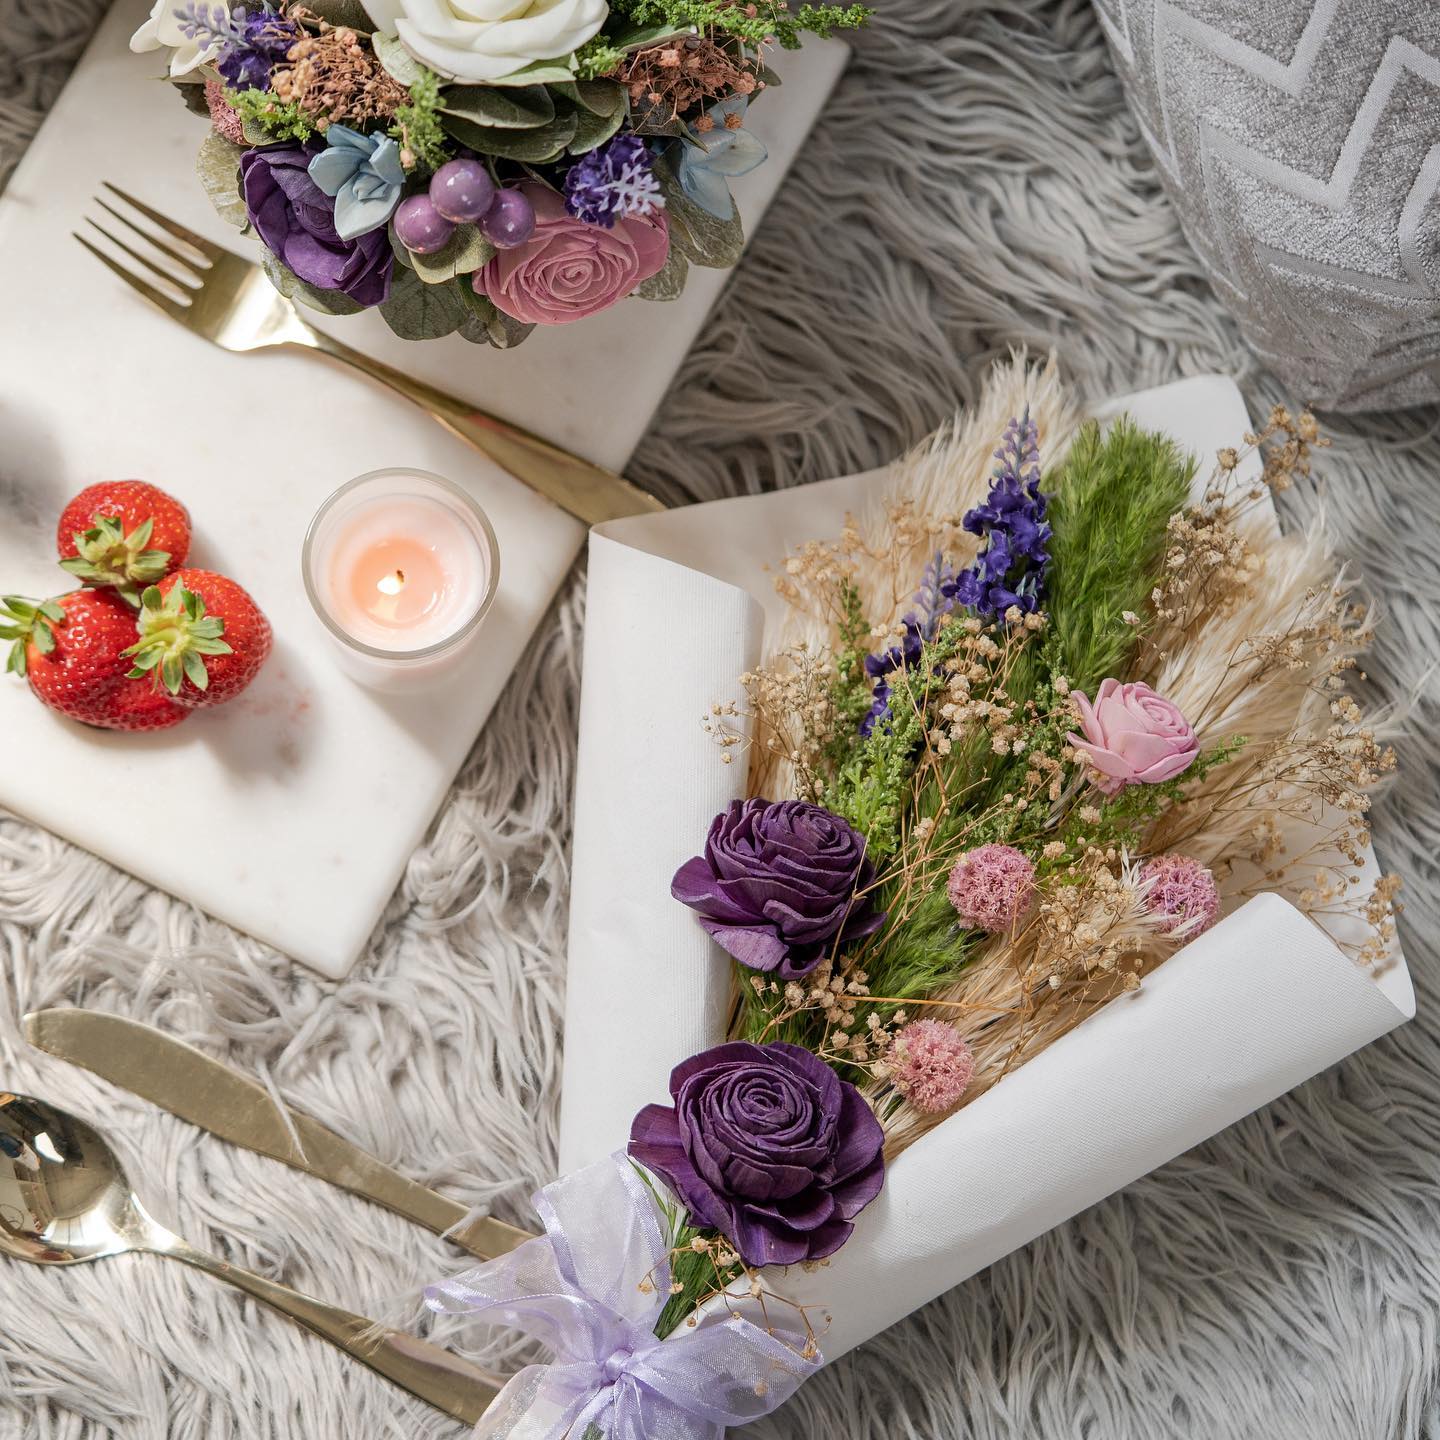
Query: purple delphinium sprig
(1010, 569)
(934, 598)
(250, 43)
(612, 181)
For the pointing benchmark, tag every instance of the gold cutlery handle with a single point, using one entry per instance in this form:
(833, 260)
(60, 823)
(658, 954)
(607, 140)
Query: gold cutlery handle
(327, 1155)
(434, 1375)
(588, 491)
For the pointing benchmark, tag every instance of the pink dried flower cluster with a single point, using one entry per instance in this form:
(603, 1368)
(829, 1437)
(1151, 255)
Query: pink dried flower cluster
(1182, 892)
(992, 887)
(931, 1065)
(223, 115)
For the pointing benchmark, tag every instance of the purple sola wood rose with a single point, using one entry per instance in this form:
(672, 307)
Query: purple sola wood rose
(769, 1146)
(779, 885)
(296, 220)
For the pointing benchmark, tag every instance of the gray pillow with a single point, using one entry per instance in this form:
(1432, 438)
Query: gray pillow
(1300, 142)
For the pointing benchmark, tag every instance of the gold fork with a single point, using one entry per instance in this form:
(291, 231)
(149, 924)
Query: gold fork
(227, 300)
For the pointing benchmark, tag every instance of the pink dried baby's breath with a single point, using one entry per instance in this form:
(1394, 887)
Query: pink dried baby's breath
(931, 1065)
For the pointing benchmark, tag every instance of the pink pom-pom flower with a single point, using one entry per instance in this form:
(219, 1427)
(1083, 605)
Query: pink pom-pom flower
(992, 887)
(1182, 894)
(931, 1065)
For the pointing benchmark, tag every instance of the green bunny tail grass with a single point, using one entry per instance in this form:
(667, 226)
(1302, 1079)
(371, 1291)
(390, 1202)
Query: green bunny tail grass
(1111, 502)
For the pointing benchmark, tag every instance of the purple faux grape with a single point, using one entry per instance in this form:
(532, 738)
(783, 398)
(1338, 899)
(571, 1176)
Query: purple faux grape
(510, 221)
(462, 191)
(420, 227)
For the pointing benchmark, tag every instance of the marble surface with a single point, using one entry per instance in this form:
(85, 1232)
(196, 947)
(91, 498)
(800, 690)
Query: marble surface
(290, 813)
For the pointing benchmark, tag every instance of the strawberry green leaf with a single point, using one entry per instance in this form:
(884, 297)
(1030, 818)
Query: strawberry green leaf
(51, 611)
(15, 661)
(195, 671)
(172, 673)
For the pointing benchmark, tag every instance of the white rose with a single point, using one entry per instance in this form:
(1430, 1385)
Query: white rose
(481, 40)
(162, 29)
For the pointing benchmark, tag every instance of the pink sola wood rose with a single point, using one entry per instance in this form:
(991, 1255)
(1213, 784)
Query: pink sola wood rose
(1132, 736)
(569, 269)
(767, 1145)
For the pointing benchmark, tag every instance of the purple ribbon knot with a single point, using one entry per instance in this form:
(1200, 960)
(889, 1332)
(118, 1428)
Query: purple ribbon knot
(591, 1289)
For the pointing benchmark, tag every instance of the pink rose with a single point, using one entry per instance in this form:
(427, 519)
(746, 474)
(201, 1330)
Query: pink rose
(1133, 736)
(569, 269)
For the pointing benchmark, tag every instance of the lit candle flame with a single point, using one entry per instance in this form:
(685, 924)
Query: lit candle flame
(391, 584)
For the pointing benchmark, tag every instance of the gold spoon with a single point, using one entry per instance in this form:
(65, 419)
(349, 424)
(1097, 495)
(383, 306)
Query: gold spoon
(64, 1199)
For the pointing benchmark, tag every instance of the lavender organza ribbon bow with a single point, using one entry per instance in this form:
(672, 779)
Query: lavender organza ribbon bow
(578, 1289)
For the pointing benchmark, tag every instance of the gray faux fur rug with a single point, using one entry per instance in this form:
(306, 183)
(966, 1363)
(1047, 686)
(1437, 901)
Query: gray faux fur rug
(977, 183)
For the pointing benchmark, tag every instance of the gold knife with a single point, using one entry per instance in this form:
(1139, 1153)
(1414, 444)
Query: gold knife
(179, 1078)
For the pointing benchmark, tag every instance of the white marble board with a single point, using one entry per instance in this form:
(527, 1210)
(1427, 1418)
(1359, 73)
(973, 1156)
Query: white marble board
(290, 813)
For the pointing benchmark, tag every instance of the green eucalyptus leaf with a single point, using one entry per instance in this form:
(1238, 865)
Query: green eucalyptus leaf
(417, 311)
(466, 250)
(350, 13)
(714, 244)
(658, 121)
(525, 107)
(287, 282)
(486, 324)
(669, 282)
(542, 72)
(218, 166)
(396, 60)
(600, 97)
(194, 97)
(401, 254)
(642, 37)
(592, 130)
(536, 147)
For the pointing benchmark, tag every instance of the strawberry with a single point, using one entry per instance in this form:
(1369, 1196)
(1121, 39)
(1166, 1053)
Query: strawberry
(125, 534)
(72, 650)
(181, 624)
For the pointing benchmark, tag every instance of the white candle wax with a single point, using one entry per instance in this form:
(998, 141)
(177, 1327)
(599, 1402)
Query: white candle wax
(400, 567)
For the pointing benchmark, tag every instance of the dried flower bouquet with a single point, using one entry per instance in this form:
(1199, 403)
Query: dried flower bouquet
(1034, 724)
(1032, 733)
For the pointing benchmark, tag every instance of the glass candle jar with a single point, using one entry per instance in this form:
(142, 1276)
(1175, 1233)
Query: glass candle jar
(400, 566)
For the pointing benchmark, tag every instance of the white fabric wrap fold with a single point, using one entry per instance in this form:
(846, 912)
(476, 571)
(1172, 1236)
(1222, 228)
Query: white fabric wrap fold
(647, 987)
(1241, 1015)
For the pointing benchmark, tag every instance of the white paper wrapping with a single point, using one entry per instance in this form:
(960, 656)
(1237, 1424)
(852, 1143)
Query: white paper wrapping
(678, 605)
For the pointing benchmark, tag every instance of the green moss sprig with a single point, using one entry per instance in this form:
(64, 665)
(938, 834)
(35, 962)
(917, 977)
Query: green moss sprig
(279, 120)
(751, 24)
(417, 125)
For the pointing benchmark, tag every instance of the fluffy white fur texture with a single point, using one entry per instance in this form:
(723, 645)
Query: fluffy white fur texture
(978, 182)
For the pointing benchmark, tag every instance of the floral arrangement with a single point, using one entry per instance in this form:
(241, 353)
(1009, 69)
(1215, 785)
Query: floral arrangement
(1033, 732)
(481, 168)
(1033, 725)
